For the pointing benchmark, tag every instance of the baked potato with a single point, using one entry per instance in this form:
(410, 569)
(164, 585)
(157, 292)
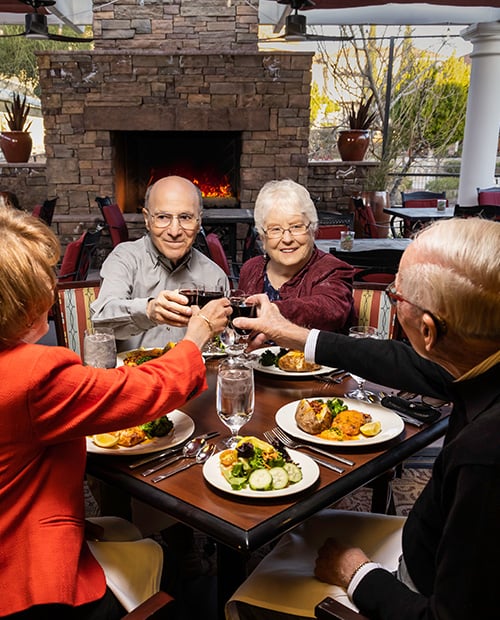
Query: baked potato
(313, 416)
(294, 361)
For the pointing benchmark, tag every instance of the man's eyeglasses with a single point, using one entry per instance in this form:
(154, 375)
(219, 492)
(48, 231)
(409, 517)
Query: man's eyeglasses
(187, 221)
(276, 232)
(394, 297)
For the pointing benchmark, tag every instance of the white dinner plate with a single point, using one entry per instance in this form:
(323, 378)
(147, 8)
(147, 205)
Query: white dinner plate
(392, 424)
(183, 429)
(310, 473)
(122, 354)
(274, 370)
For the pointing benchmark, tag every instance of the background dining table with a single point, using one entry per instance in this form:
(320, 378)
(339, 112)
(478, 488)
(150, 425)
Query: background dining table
(239, 524)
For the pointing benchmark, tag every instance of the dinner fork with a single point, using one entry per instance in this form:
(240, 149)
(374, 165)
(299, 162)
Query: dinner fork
(272, 438)
(291, 443)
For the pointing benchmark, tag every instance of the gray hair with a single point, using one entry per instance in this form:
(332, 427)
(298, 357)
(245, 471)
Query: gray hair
(454, 272)
(286, 197)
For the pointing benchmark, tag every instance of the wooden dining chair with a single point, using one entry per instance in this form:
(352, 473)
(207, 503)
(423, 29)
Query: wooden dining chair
(71, 312)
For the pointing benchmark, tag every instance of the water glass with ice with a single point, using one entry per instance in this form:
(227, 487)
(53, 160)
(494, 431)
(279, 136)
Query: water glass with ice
(99, 347)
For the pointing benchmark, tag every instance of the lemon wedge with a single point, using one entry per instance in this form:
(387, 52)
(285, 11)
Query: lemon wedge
(105, 440)
(370, 429)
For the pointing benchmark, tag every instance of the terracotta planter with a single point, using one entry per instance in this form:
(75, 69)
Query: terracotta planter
(378, 201)
(353, 144)
(16, 146)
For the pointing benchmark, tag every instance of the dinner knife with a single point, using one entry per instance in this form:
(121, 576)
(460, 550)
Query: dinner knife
(169, 451)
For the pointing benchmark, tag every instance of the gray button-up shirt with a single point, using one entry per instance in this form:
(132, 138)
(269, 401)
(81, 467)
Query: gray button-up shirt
(135, 272)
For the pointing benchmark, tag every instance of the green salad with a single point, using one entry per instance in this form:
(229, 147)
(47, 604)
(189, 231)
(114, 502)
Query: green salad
(258, 465)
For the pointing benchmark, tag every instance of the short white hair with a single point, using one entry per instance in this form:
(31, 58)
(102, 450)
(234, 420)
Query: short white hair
(453, 270)
(285, 196)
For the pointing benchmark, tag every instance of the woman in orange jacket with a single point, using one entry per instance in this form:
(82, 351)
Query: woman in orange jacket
(49, 402)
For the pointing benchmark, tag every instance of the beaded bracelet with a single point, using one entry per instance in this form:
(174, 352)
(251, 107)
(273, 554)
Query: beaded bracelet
(359, 568)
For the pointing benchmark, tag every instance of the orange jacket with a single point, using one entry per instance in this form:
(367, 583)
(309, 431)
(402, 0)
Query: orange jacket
(49, 402)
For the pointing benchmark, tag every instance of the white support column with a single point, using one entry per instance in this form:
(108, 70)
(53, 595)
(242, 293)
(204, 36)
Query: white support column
(483, 112)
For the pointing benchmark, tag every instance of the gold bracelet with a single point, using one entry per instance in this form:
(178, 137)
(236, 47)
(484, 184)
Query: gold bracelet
(211, 327)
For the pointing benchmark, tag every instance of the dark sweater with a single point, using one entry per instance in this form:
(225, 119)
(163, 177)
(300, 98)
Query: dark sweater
(451, 540)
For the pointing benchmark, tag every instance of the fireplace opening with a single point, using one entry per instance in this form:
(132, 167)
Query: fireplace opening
(210, 159)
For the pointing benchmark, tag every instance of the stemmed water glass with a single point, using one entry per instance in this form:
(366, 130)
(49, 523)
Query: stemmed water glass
(235, 397)
(361, 331)
(235, 338)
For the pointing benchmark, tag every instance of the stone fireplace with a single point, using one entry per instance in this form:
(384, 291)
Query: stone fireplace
(172, 87)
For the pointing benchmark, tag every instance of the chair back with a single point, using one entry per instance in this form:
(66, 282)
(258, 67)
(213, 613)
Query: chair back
(71, 312)
(419, 199)
(103, 200)
(330, 231)
(216, 252)
(376, 261)
(489, 196)
(484, 211)
(115, 222)
(373, 308)
(365, 223)
(78, 256)
(45, 211)
(326, 218)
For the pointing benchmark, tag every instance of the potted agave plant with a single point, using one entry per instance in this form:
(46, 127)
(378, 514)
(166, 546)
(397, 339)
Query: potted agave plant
(16, 144)
(353, 142)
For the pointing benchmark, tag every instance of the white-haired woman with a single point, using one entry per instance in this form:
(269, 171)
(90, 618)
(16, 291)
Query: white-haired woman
(310, 287)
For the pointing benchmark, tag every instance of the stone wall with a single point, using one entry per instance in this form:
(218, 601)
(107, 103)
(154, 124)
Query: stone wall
(27, 181)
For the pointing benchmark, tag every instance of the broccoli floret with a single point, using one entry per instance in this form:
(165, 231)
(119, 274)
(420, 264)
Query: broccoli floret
(158, 428)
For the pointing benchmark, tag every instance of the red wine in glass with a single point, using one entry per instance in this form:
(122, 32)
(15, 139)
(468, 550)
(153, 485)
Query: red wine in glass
(191, 294)
(205, 296)
(241, 308)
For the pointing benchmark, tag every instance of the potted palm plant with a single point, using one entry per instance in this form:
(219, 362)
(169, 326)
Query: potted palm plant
(353, 142)
(16, 144)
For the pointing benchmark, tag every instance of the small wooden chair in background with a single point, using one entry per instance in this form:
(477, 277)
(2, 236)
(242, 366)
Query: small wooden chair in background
(71, 312)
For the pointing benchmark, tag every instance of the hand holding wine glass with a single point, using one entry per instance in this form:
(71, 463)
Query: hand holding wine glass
(235, 397)
(361, 331)
(236, 338)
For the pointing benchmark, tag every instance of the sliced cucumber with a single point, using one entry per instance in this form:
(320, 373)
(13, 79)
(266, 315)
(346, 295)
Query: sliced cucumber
(279, 476)
(294, 472)
(260, 480)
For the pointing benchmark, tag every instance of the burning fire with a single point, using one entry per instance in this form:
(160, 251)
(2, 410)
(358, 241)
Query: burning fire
(211, 185)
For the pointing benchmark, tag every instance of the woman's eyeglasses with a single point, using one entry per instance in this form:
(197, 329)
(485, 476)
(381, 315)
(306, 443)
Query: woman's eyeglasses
(187, 221)
(394, 297)
(276, 232)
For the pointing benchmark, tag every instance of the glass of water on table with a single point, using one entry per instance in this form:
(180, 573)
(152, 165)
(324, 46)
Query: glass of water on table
(99, 347)
(235, 395)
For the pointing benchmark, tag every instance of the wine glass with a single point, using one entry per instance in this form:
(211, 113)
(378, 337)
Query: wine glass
(99, 347)
(206, 294)
(361, 331)
(190, 290)
(236, 338)
(235, 396)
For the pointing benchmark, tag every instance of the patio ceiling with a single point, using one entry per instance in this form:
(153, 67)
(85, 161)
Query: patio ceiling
(73, 13)
(403, 12)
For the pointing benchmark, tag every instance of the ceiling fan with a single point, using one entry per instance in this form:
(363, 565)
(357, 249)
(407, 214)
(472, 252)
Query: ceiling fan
(36, 27)
(296, 25)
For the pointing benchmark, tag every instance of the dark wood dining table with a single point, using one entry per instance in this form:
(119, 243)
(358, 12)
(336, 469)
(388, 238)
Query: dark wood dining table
(241, 525)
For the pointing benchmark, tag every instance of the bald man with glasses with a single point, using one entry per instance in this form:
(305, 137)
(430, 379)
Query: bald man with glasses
(139, 295)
